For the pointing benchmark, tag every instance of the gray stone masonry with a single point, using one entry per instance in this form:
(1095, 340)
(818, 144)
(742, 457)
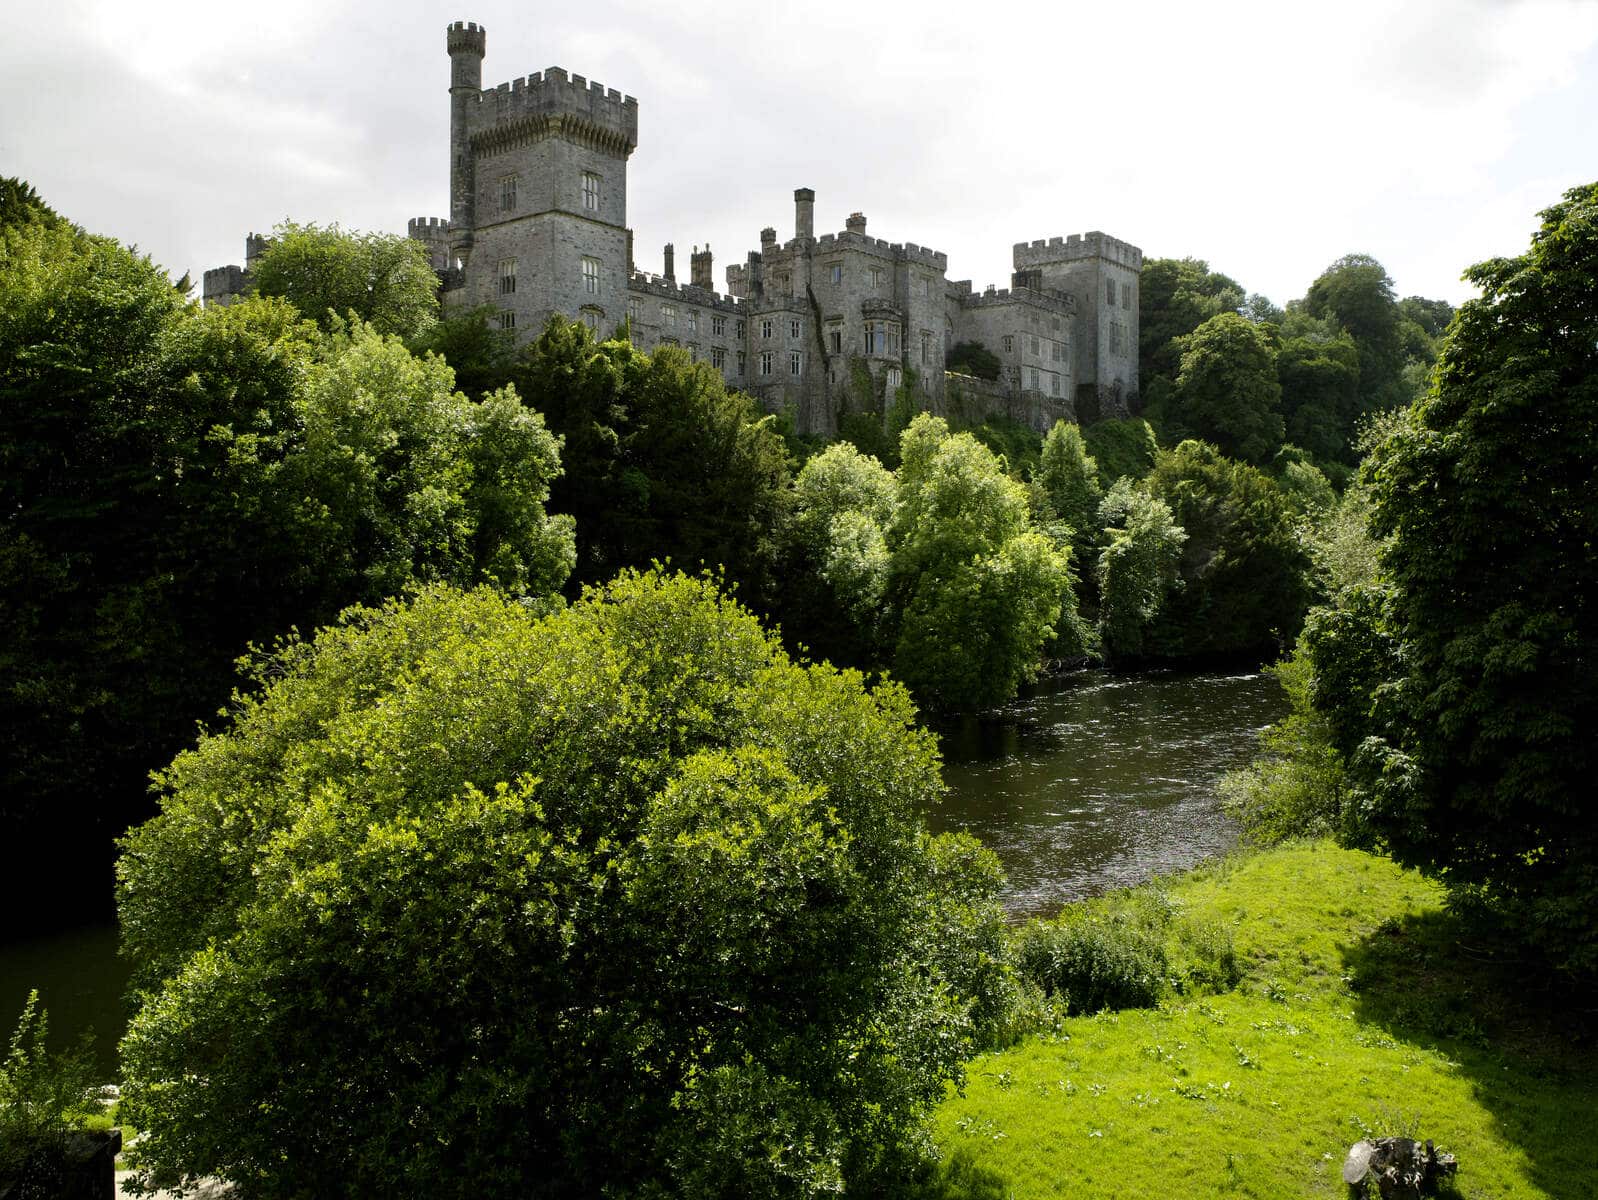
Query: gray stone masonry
(538, 226)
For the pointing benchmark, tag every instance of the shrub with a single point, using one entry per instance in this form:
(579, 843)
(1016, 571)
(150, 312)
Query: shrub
(619, 900)
(43, 1098)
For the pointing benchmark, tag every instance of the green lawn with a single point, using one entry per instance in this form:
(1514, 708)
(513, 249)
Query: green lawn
(1364, 1008)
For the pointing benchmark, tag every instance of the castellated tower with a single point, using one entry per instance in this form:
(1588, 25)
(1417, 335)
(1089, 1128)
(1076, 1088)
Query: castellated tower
(538, 191)
(1102, 273)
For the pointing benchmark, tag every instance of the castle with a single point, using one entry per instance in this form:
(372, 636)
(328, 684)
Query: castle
(815, 326)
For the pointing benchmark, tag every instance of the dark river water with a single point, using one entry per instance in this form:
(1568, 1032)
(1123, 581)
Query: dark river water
(1087, 783)
(1096, 781)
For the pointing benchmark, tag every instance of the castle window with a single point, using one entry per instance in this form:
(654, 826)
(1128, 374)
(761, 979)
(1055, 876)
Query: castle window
(1009, 343)
(895, 377)
(876, 277)
(1126, 296)
(835, 272)
(1109, 292)
(693, 351)
(591, 276)
(893, 337)
(668, 341)
(591, 318)
(740, 363)
(635, 310)
(507, 320)
(765, 362)
(767, 325)
(1115, 338)
(876, 337)
(590, 192)
(718, 326)
(507, 194)
(1056, 325)
(1034, 379)
(835, 337)
(718, 357)
(1054, 383)
(795, 362)
(785, 282)
(1059, 351)
(1035, 351)
(693, 320)
(507, 276)
(926, 346)
(668, 315)
(738, 332)
(793, 329)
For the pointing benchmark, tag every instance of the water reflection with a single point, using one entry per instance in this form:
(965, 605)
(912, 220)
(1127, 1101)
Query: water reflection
(1097, 781)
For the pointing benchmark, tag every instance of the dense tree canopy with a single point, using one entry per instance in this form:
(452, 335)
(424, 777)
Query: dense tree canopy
(1227, 391)
(1175, 297)
(1478, 752)
(178, 482)
(326, 272)
(660, 460)
(1357, 293)
(618, 901)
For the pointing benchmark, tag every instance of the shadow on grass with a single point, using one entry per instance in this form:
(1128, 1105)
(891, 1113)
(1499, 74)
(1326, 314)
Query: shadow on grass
(1528, 1044)
(960, 1177)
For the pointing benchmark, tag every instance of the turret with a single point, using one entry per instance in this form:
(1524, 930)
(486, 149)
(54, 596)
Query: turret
(466, 42)
(670, 255)
(804, 213)
(703, 274)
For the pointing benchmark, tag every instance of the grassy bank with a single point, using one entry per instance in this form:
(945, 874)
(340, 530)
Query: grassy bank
(1364, 1008)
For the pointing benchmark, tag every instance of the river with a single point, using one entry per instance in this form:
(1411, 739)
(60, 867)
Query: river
(1088, 782)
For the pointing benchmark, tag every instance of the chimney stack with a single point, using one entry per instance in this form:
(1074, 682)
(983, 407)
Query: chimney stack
(701, 272)
(804, 213)
(671, 263)
(856, 223)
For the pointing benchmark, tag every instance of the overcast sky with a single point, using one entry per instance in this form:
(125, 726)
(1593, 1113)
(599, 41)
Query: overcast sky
(1269, 139)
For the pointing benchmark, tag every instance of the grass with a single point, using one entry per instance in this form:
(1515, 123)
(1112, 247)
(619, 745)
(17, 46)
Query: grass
(1364, 1008)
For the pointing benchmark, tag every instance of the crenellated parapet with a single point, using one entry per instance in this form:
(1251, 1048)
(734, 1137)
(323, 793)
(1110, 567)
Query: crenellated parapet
(551, 103)
(1060, 303)
(644, 284)
(466, 37)
(906, 251)
(1077, 246)
(434, 233)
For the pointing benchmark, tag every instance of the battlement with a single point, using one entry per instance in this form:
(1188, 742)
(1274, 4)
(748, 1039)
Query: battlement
(554, 101)
(426, 228)
(466, 37)
(644, 284)
(1059, 303)
(1075, 248)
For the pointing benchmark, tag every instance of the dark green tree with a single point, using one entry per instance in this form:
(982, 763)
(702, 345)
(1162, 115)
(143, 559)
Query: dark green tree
(1357, 293)
(1319, 373)
(973, 358)
(328, 273)
(1479, 752)
(1244, 572)
(482, 355)
(1226, 390)
(20, 204)
(660, 459)
(618, 901)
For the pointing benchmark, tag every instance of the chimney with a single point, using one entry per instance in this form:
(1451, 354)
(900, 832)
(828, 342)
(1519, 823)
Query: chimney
(856, 223)
(804, 213)
(768, 239)
(671, 263)
(703, 274)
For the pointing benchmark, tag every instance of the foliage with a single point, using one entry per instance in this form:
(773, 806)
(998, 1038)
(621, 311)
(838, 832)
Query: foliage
(1296, 786)
(1357, 293)
(1244, 571)
(1363, 1008)
(1226, 390)
(1125, 950)
(619, 900)
(43, 1097)
(1478, 751)
(973, 358)
(1319, 373)
(326, 272)
(1137, 567)
(1175, 297)
(660, 460)
(1068, 478)
(1123, 449)
(20, 204)
(1305, 489)
(178, 483)
(1016, 442)
(482, 355)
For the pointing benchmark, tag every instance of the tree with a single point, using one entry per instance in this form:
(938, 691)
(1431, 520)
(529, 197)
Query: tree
(178, 482)
(973, 358)
(1319, 372)
(620, 900)
(20, 204)
(482, 355)
(1357, 293)
(1244, 572)
(326, 273)
(1478, 751)
(1123, 449)
(661, 460)
(1227, 391)
(1175, 297)
(1137, 567)
(1068, 477)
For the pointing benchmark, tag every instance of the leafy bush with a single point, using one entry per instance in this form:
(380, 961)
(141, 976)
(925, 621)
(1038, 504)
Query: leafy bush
(1125, 950)
(43, 1097)
(1121, 448)
(619, 900)
(973, 358)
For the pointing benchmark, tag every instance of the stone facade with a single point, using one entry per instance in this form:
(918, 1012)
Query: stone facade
(810, 325)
